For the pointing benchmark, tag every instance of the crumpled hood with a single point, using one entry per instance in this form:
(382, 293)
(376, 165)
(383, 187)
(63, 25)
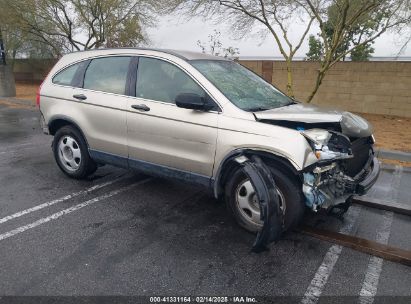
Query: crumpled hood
(351, 125)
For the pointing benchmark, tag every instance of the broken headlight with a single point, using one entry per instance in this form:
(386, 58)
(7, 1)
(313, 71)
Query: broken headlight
(328, 145)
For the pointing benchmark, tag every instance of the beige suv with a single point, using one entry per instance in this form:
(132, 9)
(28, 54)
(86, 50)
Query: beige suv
(200, 118)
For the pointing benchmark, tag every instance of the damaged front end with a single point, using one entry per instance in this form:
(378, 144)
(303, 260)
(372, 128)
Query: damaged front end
(327, 186)
(341, 164)
(346, 166)
(342, 143)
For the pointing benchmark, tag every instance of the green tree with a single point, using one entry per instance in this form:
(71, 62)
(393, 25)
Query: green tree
(315, 52)
(364, 28)
(362, 52)
(359, 53)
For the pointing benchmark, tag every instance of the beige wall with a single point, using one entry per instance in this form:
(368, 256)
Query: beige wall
(368, 87)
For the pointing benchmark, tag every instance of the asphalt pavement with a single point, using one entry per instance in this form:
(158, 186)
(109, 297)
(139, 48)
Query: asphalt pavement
(122, 233)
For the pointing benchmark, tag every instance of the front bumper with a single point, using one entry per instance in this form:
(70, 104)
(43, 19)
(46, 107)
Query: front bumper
(328, 185)
(370, 179)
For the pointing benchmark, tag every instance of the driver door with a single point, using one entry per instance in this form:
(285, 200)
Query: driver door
(162, 137)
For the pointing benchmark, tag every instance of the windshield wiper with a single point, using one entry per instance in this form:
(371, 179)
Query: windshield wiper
(257, 109)
(289, 103)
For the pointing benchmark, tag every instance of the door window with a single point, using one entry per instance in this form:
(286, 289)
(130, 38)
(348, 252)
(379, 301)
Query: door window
(107, 74)
(162, 81)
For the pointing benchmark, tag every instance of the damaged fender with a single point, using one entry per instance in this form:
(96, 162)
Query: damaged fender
(270, 212)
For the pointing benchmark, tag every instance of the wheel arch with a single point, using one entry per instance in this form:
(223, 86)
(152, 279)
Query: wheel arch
(60, 121)
(229, 164)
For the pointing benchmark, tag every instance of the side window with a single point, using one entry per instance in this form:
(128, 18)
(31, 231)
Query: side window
(107, 74)
(66, 77)
(163, 81)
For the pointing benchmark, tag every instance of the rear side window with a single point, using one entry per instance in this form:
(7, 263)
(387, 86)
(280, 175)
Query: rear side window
(66, 77)
(163, 81)
(107, 74)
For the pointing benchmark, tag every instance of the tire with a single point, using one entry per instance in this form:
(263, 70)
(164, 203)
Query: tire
(71, 153)
(288, 188)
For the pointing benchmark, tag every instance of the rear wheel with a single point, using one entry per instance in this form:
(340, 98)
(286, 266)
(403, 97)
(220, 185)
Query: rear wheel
(242, 201)
(71, 153)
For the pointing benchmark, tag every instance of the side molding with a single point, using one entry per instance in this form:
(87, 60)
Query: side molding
(151, 168)
(108, 158)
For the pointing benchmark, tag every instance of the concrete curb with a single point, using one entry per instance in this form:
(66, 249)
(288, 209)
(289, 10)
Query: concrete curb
(393, 155)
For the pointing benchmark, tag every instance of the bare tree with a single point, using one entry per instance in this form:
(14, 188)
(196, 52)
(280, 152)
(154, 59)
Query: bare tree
(215, 46)
(66, 25)
(390, 14)
(276, 17)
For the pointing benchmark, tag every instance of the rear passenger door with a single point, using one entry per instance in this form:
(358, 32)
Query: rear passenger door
(102, 97)
(163, 137)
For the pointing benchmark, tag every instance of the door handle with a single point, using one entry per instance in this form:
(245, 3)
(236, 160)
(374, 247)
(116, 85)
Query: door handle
(80, 96)
(141, 107)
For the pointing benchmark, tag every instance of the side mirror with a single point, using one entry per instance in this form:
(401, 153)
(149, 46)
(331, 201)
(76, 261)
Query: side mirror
(192, 101)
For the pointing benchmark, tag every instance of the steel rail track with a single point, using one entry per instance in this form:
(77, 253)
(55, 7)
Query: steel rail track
(363, 245)
(378, 204)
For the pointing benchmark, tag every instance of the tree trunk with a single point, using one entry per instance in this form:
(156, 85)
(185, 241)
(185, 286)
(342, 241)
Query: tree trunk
(2, 51)
(320, 77)
(290, 91)
(13, 57)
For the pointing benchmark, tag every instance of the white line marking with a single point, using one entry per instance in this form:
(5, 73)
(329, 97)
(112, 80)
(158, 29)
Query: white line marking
(12, 152)
(59, 200)
(320, 279)
(17, 146)
(67, 211)
(372, 275)
(25, 146)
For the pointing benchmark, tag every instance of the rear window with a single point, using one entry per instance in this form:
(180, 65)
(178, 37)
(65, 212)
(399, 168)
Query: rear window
(66, 77)
(107, 74)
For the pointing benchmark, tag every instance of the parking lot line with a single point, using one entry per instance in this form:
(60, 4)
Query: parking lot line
(22, 147)
(372, 275)
(320, 279)
(69, 210)
(59, 200)
(12, 152)
(18, 145)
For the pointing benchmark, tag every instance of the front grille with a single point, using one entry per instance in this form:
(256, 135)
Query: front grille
(362, 151)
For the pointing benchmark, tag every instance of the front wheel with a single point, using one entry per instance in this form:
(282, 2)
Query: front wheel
(71, 153)
(242, 201)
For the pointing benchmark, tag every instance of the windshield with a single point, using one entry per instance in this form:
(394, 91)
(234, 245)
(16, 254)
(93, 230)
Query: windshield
(242, 87)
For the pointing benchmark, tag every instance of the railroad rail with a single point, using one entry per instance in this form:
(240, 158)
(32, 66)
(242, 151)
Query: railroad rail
(360, 244)
(378, 204)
